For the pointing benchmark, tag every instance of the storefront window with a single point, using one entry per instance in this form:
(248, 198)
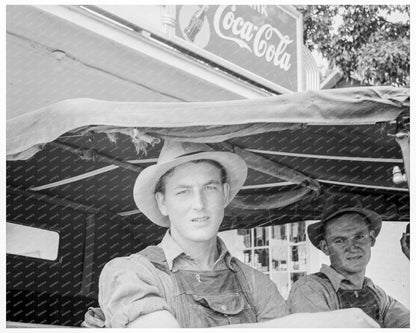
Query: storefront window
(298, 257)
(297, 232)
(261, 260)
(278, 231)
(247, 237)
(279, 251)
(261, 236)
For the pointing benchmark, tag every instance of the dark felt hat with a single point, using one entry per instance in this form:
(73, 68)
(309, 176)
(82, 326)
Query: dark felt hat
(316, 230)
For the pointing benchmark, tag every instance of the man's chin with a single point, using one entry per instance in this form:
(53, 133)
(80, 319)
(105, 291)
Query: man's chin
(355, 268)
(350, 268)
(201, 237)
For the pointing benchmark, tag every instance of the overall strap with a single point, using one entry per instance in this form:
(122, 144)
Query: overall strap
(324, 281)
(157, 257)
(245, 285)
(321, 275)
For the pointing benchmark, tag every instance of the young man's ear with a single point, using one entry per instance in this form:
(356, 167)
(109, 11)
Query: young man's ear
(226, 189)
(373, 237)
(160, 199)
(324, 247)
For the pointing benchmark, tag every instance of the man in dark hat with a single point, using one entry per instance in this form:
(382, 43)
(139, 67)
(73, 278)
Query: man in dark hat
(190, 279)
(346, 235)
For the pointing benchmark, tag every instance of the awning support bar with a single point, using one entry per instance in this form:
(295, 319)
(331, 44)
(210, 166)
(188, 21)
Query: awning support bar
(54, 200)
(266, 166)
(91, 154)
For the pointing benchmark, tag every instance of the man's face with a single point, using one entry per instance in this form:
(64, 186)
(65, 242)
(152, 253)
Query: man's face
(348, 243)
(194, 200)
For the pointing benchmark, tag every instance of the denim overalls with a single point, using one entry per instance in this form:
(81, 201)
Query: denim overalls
(366, 299)
(207, 298)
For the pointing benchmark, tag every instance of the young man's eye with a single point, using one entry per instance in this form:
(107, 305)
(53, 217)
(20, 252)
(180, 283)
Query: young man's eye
(211, 187)
(359, 237)
(182, 192)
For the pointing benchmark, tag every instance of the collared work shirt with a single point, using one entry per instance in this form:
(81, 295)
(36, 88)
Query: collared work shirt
(131, 286)
(311, 294)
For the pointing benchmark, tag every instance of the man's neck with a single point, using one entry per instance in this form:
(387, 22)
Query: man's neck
(205, 254)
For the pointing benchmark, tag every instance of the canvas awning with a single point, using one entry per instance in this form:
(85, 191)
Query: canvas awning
(301, 148)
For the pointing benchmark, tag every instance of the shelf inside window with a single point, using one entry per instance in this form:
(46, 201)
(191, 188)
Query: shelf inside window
(296, 244)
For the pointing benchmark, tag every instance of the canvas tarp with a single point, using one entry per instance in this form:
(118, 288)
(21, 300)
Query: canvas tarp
(206, 121)
(301, 149)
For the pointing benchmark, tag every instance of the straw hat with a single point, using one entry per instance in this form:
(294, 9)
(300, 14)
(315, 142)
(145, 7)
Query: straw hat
(173, 154)
(316, 230)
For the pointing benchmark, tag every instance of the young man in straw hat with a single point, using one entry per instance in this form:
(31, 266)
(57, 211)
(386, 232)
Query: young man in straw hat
(190, 279)
(346, 235)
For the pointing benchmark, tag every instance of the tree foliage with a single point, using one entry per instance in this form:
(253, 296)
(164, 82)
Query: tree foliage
(362, 41)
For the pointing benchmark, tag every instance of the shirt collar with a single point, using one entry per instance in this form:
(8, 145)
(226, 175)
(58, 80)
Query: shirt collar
(334, 277)
(173, 250)
(225, 254)
(337, 278)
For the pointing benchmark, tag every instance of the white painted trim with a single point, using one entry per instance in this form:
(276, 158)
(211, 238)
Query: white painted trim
(310, 71)
(299, 28)
(333, 78)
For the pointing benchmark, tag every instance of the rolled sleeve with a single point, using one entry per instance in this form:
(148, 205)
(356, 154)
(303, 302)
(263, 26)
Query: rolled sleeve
(269, 304)
(128, 289)
(394, 313)
(397, 316)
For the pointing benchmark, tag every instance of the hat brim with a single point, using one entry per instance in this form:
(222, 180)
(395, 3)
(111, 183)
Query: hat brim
(316, 230)
(144, 187)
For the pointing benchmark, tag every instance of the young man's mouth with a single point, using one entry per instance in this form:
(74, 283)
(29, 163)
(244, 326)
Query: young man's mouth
(355, 257)
(200, 219)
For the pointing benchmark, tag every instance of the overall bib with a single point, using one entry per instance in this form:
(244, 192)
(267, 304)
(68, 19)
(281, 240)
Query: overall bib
(207, 298)
(366, 299)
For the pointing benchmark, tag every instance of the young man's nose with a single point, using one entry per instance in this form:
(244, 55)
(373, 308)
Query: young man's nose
(351, 244)
(198, 201)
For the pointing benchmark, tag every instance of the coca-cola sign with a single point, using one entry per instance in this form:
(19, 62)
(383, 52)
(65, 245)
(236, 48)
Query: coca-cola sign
(262, 40)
